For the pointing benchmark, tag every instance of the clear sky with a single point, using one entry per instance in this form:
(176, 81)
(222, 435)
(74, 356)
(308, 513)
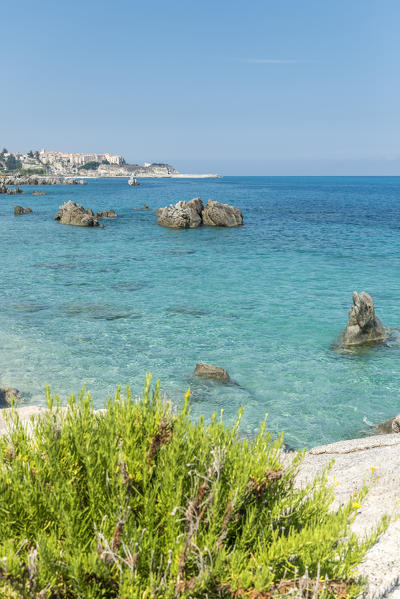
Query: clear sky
(263, 87)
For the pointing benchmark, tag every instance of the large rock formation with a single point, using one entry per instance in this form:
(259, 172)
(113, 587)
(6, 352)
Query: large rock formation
(216, 214)
(209, 371)
(14, 192)
(190, 215)
(21, 210)
(184, 215)
(6, 394)
(363, 325)
(3, 188)
(75, 214)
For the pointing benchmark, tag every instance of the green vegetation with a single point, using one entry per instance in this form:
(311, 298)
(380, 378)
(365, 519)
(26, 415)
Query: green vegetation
(137, 501)
(90, 166)
(12, 164)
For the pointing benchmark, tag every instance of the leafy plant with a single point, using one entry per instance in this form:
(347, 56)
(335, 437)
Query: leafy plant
(139, 501)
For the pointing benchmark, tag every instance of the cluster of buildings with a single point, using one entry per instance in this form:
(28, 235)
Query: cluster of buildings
(53, 158)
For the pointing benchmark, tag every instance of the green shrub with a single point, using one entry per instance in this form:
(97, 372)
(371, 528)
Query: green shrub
(139, 501)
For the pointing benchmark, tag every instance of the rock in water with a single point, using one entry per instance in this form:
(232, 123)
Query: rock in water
(71, 213)
(389, 426)
(212, 372)
(107, 214)
(216, 214)
(184, 215)
(20, 210)
(6, 393)
(363, 325)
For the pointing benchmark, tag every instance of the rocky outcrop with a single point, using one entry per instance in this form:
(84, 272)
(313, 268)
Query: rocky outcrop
(20, 210)
(6, 394)
(75, 181)
(191, 215)
(216, 214)
(363, 326)
(184, 215)
(39, 193)
(14, 192)
(32, 180)
(389, 426)
(75, 214)
(133, 182)
(107, 214)
(209, 371)
(3, 188)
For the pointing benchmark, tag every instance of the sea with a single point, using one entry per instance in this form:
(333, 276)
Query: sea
(266, 301)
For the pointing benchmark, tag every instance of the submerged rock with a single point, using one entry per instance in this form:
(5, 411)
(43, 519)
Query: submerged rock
(212, 372)
(71, 213)
(39, 193)
(20, 210)
(363, 325)
(6, 394)
(216, 214)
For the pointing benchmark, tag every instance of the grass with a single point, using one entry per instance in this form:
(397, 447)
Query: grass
(138, 501)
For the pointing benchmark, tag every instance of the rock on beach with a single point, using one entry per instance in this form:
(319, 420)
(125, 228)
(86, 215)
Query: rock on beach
(6, 394)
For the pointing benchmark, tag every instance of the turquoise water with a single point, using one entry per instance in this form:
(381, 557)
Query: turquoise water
(265, 301)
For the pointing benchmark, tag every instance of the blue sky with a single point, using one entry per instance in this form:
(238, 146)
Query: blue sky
(255, 88)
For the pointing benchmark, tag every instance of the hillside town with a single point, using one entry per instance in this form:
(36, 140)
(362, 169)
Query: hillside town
(64, 164)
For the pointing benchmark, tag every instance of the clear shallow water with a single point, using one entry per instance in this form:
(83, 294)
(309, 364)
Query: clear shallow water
(265, 301)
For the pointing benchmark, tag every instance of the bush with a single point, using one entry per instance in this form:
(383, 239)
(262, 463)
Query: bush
(139, 501)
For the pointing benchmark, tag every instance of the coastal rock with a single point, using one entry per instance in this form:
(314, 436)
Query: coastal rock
(14, 192)
(133, 182)
(32, 180)
(107, 214)
(39, 193)
(389, 426)
(6, 394)
(216, 214)
(183, 215)
(212, 372)
(363, 326)
(20, 210)
(75, 214)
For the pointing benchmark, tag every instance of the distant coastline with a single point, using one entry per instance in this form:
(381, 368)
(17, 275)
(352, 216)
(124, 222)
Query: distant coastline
(86, 166)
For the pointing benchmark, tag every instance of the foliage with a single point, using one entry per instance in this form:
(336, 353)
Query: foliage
(137, 501)
(90, 166)
(12, 164)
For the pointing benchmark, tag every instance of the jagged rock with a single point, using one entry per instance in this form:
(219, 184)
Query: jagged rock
(363, 325)
(6, 393)
(157, 212)
(389, 426)
(212, 372)
(32, 180)
(3, 188)
(184, 215)
(75, 214)
(133, 182)
(107, 214)
(14, 192)
(39, 193)
(216, 214)
(20, 210)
